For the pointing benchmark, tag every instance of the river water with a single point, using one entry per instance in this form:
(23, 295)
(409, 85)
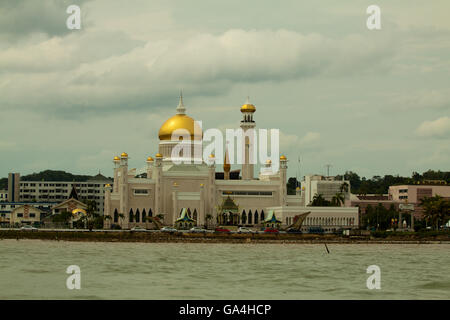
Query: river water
(35, 269)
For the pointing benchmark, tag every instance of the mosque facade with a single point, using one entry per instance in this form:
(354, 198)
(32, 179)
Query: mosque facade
(197, 189)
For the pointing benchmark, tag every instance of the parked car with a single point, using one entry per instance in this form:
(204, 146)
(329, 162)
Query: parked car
(28, 228)
(245, 230)
(294, 231)
(318, 230)
(138, 229)
(271, 230)
(168, 229)
(197, 230)
(224, 230)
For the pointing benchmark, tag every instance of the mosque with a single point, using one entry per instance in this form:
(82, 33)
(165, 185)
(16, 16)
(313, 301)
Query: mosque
(195, 191)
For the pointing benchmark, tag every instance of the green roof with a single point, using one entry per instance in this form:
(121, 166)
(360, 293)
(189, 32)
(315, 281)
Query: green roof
(228, 204)
(185, 216)
(271, 218)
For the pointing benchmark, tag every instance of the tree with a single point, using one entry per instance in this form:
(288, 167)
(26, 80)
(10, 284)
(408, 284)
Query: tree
(436, 210)
(292, 185)
(319, 201)
(337, 200)
(208, 218)
(63, 217)
(344, 187)
(92, 219)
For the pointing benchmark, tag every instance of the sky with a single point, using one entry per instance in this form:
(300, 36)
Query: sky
(374, 102)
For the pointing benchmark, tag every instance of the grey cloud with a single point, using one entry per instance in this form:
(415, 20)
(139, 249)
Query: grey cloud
(20, 18)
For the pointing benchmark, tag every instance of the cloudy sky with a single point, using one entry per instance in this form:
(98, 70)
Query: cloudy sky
(374, 102)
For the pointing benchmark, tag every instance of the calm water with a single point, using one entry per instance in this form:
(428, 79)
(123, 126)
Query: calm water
(33, 269)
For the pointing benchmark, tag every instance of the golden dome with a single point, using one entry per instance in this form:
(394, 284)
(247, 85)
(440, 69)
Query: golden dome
(211, 155)
(124, 155)
(107, 185)
(180, 121)
(268, 161)
(159, 155)
(116, 158)
(283, 157)
(149, 159)
(248, 107)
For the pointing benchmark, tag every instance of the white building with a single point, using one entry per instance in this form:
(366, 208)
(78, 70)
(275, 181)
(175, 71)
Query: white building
(58, 191)
(328, 187)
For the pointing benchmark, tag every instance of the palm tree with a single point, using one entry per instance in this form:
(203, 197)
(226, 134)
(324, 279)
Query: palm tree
(319, 201)
(208, 218)
(344, 187)
(107, 217)
(436, 210)
(338, 200)
(121, 217)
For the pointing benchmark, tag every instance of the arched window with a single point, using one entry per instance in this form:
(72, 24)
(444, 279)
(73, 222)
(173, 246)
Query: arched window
(195, 215)
(144, 215)
(250, 217)
(262, 215)
(244, 217)
(116, 216)
(138, 216)
(130, 216)
(256, 217)
(150, 213)
(189, 212)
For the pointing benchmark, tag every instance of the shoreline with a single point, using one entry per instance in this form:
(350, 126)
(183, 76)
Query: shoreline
(107, 236)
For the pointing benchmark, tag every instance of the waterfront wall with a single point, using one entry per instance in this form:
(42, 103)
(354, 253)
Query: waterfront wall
(223, 238)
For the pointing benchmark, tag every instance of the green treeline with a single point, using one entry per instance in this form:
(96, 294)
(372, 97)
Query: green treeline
(379, 184)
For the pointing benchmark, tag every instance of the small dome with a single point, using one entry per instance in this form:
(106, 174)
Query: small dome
(248, 107)
(116, 158)
(212, 156)
(124, 155)
(283, 157)
(108, 185)
(159, 155)
(149, 159)
(268, 161)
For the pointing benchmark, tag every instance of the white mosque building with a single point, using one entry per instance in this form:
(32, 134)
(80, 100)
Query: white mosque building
(229, 197)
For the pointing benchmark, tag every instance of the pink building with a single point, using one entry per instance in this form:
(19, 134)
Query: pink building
(412, 194)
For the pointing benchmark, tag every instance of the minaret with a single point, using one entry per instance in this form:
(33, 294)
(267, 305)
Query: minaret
(123, 188)
(149, 167)
(107, 208)
(211, 185)
(116, 162)
(157, 175)
(226, 166)
(247, 124)
(283, 180)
